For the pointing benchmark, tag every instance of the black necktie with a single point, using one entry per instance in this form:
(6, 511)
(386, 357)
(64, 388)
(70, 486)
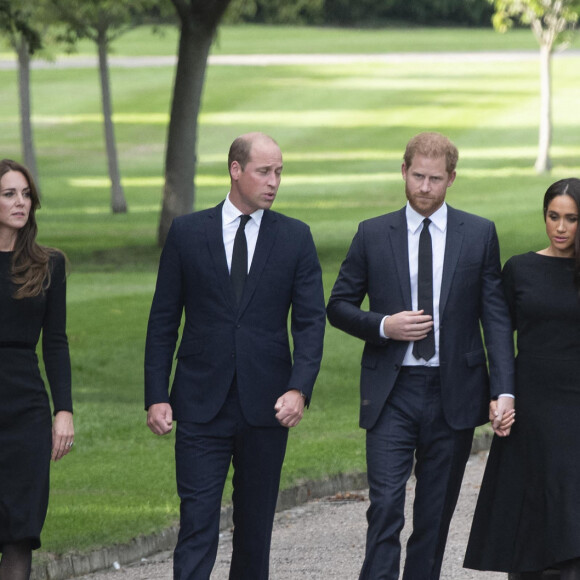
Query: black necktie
(425, 348)
(239, 269)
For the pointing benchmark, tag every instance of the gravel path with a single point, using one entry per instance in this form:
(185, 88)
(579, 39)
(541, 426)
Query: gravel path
(324, 540)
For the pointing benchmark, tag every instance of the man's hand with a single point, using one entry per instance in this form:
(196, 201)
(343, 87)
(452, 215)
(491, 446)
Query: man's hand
(160, 418)
(290, 408)
(502, 415)
(408, 325)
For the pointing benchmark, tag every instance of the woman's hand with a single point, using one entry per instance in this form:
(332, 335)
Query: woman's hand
(502, 415)
(62, 434)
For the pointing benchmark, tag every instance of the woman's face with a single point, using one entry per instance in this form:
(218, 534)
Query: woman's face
(15, 201)
(561, 225)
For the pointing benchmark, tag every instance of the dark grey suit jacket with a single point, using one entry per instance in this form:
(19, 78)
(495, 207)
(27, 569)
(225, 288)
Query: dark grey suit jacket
(377, 265)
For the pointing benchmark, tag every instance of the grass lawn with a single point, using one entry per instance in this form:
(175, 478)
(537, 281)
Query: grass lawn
(342, 130)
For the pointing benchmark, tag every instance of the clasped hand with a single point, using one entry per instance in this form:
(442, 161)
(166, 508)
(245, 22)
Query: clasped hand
(409, 325)
(502, 415)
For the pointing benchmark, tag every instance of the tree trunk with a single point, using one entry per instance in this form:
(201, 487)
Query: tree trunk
(26, 134)
(118, 202)
(543, 164)
(180, 156)
(199, 22)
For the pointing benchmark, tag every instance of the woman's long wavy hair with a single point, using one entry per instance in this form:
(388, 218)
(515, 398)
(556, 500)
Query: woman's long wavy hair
(30, 262)
(571, 187)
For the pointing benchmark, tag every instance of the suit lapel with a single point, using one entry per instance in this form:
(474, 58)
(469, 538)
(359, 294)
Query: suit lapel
(455, 232)
(215, 240)
(397, 233)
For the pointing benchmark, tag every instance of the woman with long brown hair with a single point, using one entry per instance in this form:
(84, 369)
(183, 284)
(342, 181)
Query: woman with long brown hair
(32, 301)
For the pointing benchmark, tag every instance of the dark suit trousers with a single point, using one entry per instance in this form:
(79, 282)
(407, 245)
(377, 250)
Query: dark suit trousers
(412, 423)
(203, 452)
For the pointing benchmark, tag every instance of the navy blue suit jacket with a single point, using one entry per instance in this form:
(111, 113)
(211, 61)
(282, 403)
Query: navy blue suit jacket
(219, 340)
(377, 265)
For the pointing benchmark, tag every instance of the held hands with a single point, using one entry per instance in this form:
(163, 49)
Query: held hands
(290, 408)
(62, 434)
(502, 415)
(160, 418)
(408, 325)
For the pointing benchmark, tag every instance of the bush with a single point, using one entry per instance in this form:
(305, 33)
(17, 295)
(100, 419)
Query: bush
(276, 11)
(361, 12)
(457, 12)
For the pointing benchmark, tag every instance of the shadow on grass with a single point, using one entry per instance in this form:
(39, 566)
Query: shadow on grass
(134, 258)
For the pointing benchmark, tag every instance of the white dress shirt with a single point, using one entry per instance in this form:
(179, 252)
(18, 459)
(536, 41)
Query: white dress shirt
(230, 223)
(438, 230)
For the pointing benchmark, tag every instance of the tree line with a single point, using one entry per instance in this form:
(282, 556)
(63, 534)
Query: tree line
(362, 12)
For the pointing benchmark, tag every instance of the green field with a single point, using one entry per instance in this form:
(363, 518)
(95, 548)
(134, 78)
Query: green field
(342, 129)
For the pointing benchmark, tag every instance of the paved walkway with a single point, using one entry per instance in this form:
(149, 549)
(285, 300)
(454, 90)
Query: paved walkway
(324, 540)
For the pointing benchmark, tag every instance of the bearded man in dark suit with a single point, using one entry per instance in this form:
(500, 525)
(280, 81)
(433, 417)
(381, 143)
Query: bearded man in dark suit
(432, 276)
(236, 271)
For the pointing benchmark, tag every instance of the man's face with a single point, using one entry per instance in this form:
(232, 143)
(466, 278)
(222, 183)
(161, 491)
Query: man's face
(426, 182)
(255, 186)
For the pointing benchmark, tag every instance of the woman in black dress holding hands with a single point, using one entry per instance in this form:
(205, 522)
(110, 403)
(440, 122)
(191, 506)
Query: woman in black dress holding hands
(32, 299)
(527, 518)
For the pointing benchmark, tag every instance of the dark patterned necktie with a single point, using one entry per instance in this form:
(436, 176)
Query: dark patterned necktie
(239, 269)
(425, 348)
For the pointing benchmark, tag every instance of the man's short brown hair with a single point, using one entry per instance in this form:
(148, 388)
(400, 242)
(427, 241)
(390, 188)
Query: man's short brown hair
(431, 144)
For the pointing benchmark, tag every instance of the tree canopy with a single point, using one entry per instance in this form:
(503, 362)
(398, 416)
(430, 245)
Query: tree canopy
(551, 21)
(17, 21)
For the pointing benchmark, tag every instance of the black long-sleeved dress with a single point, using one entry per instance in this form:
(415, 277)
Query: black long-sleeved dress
(528, 512)
(25, 417)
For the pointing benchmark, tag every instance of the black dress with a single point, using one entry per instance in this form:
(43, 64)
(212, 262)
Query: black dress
(25, 418)
(528, 512)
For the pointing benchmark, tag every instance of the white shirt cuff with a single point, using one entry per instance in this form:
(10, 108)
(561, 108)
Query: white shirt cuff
(382, 328)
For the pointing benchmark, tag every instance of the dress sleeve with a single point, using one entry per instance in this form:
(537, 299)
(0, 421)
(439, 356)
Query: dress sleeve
(54, 339)
(508, 280)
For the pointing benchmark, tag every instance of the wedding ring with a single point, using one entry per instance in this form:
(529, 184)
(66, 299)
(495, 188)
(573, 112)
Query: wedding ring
(70, 444)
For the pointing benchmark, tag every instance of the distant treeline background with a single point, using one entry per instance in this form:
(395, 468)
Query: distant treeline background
(367, 13)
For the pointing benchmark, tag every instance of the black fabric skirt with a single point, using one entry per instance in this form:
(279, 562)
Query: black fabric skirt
(25, 447)
(528, 512)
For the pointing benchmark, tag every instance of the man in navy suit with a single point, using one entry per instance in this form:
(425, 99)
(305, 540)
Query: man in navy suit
(237, 386)
(424, 380)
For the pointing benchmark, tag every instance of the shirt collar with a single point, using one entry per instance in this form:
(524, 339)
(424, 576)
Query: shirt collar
(231, 213)
(415, 219)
